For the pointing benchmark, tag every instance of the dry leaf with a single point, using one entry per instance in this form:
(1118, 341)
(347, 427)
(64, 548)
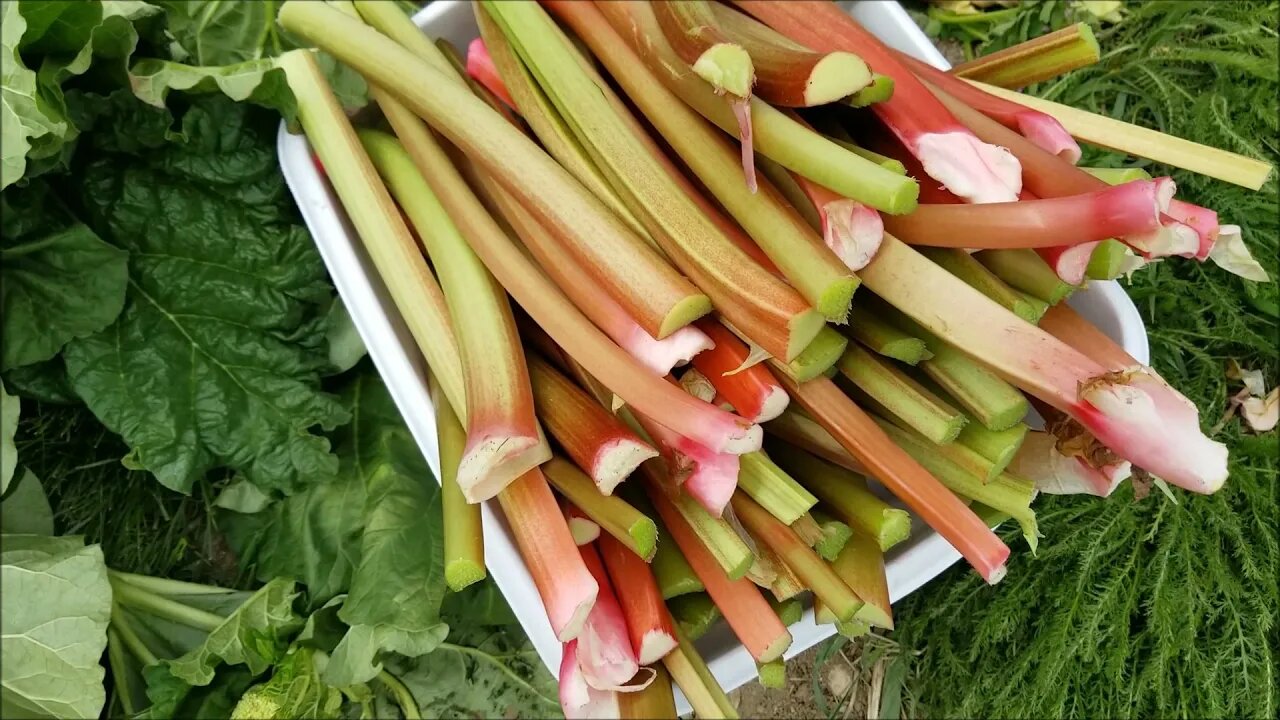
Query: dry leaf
(1231, 254)
(1262, 413)
(1252, 379)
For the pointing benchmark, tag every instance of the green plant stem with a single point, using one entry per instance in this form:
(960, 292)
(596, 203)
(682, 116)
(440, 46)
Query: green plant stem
(884, 339)
(998, 446)
(613, 514)
(118, 663)
(880, 89)
(789, 611)
(907, 399)
(671, 570)
(134, 597)
(835, 535)
(973, 273)
(773, 675)
(165, 586)
(773, 488)
(1024, 270)
(695, 613)
(122, 627)
(404, 698)
(1108, 260)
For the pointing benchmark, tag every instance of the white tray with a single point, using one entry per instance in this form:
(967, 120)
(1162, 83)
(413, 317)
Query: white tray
(909, 565)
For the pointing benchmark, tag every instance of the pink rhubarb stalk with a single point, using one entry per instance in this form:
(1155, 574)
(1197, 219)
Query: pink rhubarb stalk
(565, 585)
(648, 622)
(753, 392)
(1042, 129)
(660, 356)
(1040, 461)
(1133, 412)
(604, 648)
(1203, 220)
(740, 601)
(1049, 176)
(1129, 209)
(950, 153)
(578, 700)
(707, 476)
(597, 441)
(480, 67)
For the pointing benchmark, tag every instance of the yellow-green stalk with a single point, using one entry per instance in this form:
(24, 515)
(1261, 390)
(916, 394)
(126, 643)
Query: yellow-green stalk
(973, 273)
(885, 339)
(773, 488)
(1036, 60)
(462, 531)
(1024, 270)
(613, 514)
(907, 399)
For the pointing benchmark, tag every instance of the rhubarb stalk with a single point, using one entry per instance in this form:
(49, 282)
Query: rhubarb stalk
(759, 630)
(480, 66)
(753, 392)
(773, 313)
(968, 167)
(787, 73)
(1027, 272)
(884, 339)
(597, 441)
(775, 135)
(567, 589)
(799, 557)
(463, 532)
(604, 648)
(613, 514)
(699, 685)
(1071, 328)
(904, 477)
(998, 446)
(1038, 59)
(1055, 473)
(976, 275)
(696, 36)
(861, 566)
(648, 288)
(654, 702)
(835, 534)
(503, 441)
(379, 224)
(905, 398)
(775, 490)
(675, 577)
(846, 493)
(648, 621)
(715, 536)
(694, 614)
(583, 529)
(776, 229)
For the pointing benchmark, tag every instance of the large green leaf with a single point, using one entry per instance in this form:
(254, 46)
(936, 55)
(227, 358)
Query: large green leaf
(58, 280)
(215, 360)
(10, 407)
(26, 510)
(256, 635)
(56, 607)
(172, 698)
(394, 601)
(24, 116)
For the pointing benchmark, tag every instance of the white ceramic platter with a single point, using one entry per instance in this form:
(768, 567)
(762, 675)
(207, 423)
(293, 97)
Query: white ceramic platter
(909, 565)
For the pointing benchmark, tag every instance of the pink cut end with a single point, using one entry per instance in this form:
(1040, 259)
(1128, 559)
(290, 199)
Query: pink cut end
(604, 646)
(578, 700)
(617, 459)
(713, 479)
(997, 573)
(1144, 420)
(655, 646)
(492, 462)
(1203, 220)
(966, 166)
(1171, 238)
(1046, 132)
(661, 356)
(481, 68)
(1069, 261)
(774, 404)
(742, 112)
(853, 231)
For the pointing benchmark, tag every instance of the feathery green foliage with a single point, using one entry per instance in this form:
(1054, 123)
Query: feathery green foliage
(1146, 608)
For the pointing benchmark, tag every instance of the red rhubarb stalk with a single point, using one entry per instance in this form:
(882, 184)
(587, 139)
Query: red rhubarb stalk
(747, 611)
(753, 392)
(565, 585)
(903, 476)
(707, 476)
(1042, 129)
(648, 621)
(1203, 220)
(1130, 209)
(1133, 412)
(604, 648)
(480, 66)
(597, 441)
(578, 699)
(1071, 328)
(950, 153)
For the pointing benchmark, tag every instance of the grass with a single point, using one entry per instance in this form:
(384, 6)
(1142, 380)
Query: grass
(1146, 607)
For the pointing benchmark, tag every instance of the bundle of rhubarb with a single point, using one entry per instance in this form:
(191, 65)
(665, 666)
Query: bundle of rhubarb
(689, 413)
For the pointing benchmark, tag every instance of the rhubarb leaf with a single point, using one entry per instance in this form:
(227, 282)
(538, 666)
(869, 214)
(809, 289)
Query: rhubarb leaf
(256, 635)
(24, 116)
(397, 588)
(10, 407)
(215, 360)
(171, 697)
(294, 691)
(26, 510)
(58, 280)
(57, 605)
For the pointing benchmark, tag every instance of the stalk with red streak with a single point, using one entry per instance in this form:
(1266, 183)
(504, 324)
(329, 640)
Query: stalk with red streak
(578, 700)
(753, 392)
(648, 621)
(480, 66)
(604, 648)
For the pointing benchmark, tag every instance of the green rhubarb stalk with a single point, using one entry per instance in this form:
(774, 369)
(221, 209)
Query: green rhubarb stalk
(799, 557)
(422, 79)
(165, 586)
(785, 183)
(613, 514)
(884, 161)
(1117, 176)
(962, 456)
(880, 89)
(675, 577)
(796, 249)
(789, 611)
(126, 635)
(696, 36)
(775, 135)
(1005, 493)
(853, 628)
(1108, 260)
(808, 529)
(905, 398)
(546, 123)
(730, 552)
(694, 613)
(377, 220)
(1025, 270)
(884, 339)
(861, 566)
(131, 596)
(997, 446)
(773, 675)
(771, 312)
(1036, 60)
(835, 534)
(820, 356)
(696, 680)
(786, 584)
(976, 275)
(847, 495)
(989, 399)
(503, 439)
(773, 488)
(463, 531)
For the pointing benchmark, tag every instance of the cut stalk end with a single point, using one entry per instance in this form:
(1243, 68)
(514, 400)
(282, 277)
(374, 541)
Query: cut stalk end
(727, 68)
(491, 463)
(879, 90)
(683, 313)
(616, 460)
(460, 573)
(835, 76)
(852, 230)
